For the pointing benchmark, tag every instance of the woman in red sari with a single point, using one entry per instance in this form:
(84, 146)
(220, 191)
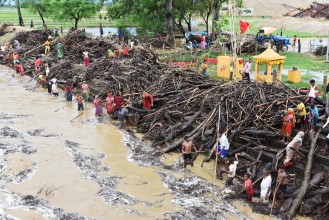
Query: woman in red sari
(147, 100)
(289, 121)
(110, 103)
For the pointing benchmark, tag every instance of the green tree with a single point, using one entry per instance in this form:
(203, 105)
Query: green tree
(38, 6)
(67, 10)
(204, 9)
(18, 7)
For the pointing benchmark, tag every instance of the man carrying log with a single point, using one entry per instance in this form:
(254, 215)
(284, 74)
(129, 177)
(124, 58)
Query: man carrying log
(222, 151)
(187, 151)
(281, 185)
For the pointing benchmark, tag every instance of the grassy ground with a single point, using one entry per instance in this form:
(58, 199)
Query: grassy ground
(311, 67)
(253, 21)
(9, 15)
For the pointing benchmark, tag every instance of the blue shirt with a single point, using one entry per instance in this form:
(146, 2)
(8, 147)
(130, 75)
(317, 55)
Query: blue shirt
(315, 111)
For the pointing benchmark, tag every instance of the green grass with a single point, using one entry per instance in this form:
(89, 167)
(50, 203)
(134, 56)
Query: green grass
(9, 16)
(303, 61)
(253, 21)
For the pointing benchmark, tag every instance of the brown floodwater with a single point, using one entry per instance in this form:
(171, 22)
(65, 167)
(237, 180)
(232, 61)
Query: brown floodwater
(59, 175)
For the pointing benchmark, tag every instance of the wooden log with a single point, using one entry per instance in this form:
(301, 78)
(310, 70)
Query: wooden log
(307, 174)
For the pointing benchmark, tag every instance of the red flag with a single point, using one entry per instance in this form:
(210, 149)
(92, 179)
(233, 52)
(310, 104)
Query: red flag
(244, 26)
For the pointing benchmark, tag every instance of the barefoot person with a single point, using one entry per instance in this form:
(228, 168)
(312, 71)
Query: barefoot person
(292, 148)
(265, 186)
(79, 99)
(222, 149)
(187, 151)
(281, 185)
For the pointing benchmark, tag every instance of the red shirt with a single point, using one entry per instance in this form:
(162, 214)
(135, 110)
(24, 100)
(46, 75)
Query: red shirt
(125, 50)
(248, 185)
(37, 62)
(118, 100)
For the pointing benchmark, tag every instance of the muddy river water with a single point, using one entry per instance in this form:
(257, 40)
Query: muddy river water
(55, 168)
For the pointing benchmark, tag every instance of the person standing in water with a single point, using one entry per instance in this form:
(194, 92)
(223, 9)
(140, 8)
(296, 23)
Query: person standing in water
(68, 93)
(187, 147)
(79, 99)
(54, 88)
(98, 104)
(110, 103)
(85, 91)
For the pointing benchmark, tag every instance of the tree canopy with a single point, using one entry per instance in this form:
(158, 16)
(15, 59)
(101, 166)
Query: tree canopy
(65, 10)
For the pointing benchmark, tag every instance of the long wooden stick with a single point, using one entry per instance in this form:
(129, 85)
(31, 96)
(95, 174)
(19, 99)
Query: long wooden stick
(215, 176)
(77, 116)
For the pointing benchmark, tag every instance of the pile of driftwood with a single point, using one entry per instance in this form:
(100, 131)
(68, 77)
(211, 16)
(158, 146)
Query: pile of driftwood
(320, 51)
(33, 38)
(2, 29)
(185, 103)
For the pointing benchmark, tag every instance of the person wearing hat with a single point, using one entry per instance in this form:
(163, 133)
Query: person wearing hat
(123, 114)
(85, 91)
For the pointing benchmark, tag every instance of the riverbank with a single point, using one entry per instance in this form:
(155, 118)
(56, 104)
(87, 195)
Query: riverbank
(68, 167)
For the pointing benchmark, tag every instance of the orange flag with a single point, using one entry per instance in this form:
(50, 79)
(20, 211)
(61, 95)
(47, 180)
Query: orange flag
(244, 26)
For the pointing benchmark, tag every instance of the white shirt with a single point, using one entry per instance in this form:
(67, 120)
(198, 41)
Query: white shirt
(265, 184)
(232, 169)
(247, 67)
(4, 48)
(312, 92)
(132, 44)
(85, 54)
(54, 88)
(224, 142)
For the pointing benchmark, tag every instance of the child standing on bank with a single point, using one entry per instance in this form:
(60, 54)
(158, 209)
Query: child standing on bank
(248, 187)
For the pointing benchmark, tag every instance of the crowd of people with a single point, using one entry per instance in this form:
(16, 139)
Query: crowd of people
(307, 121)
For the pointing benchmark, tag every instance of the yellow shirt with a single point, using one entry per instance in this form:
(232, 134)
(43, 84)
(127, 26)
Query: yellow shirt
(301, 109)
(47, 43)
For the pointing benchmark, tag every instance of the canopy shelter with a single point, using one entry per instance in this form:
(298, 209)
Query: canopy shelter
(268, 66)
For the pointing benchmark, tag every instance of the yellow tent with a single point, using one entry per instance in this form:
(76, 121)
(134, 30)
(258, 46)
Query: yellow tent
(269, 57)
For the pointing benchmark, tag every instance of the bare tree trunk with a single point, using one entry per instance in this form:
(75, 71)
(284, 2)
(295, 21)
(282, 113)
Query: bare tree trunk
(306, 182)
(215, 16)
(170, 27)
(42, 18)
(21, 22)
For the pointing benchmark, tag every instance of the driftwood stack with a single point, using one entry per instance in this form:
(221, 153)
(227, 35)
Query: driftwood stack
(185, 103)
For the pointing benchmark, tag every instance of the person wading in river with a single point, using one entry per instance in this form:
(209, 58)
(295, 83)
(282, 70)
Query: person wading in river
(98, 104)
(68, 93)
(79, 99)
(123, 114)
(118, 101)
(110, 104)
(281, 185)
(221, 149)
(85, 91)
(54, 88)
(187, 151)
